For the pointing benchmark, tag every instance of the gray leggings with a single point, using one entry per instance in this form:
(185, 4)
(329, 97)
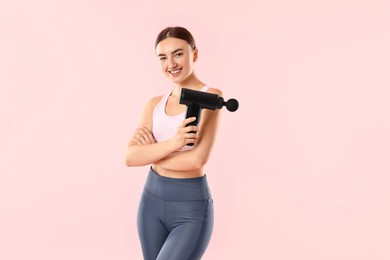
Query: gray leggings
(175, 218)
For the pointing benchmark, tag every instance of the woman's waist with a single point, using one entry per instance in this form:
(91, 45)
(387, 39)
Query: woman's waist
(178, 174)
(177, 189)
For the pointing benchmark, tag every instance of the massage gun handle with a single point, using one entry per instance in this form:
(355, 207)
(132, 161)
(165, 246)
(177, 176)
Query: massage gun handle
(193, 110)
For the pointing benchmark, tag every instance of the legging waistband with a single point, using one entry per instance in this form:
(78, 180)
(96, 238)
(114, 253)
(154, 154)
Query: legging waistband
(177, 189)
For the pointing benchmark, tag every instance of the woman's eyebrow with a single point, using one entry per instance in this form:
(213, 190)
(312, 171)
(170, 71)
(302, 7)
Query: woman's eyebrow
(162, 54)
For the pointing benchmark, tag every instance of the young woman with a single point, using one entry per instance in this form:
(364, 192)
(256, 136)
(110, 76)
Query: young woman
(175, 215)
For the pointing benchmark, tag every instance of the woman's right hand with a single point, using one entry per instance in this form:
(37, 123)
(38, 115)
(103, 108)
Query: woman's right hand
(183, 136)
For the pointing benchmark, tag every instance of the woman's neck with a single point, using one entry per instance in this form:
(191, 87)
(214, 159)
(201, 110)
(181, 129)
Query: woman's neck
(192, 83)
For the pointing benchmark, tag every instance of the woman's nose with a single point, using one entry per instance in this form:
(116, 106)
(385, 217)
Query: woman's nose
(171, 63)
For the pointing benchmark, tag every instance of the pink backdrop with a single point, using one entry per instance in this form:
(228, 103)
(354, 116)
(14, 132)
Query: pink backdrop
(300, 171)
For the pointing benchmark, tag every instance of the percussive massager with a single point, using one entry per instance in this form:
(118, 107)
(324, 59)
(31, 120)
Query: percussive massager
(197, 100)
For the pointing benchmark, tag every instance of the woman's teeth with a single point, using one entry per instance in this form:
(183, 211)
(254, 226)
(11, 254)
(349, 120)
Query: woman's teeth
(175, 71)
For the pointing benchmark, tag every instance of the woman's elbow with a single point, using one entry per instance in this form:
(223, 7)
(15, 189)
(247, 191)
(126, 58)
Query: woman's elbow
(128, 162)
(133, 163)
(134, 159)
(129, 159)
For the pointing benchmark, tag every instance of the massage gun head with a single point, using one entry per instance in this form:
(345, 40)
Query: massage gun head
(231, 105)
(206, 100)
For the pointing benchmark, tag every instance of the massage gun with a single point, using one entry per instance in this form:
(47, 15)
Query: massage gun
(196, 100)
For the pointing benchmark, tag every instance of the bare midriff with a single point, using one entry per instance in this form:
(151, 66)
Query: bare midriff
(178, 174)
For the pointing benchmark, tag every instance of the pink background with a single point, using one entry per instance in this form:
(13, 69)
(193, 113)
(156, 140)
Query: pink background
(300, 171)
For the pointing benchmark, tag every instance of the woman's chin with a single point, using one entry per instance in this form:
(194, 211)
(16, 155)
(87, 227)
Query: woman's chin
(180, 79)
(177, 80)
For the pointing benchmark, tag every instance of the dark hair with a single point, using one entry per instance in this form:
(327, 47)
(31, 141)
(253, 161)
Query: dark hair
(176, 32)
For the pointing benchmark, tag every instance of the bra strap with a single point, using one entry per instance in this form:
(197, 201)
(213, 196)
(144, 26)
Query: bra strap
(205, 88)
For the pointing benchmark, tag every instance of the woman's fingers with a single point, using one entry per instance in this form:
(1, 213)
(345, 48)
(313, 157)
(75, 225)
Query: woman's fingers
(191, 137)
(137, 138)
(150, 134)
(191, 128)
(144, 136)
(187, 121)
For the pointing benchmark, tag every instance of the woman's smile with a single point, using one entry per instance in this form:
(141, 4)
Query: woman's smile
(175, 72)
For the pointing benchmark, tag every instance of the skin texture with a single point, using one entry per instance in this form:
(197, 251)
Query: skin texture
(175, 54)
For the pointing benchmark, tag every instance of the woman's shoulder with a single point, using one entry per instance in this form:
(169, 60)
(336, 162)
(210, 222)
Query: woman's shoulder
(215, 91)
(146, 118)
(152, 103)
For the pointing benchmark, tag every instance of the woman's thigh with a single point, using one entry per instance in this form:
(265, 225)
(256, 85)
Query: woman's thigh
(191, 225)
(151, 231)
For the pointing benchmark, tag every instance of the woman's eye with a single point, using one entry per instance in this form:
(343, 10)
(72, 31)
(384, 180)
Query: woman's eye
(162, 58)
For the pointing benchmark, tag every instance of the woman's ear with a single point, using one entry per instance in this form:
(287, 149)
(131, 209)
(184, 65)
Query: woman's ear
(195, 54)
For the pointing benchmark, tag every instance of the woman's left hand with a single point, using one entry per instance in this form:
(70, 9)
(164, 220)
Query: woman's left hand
(143, 136)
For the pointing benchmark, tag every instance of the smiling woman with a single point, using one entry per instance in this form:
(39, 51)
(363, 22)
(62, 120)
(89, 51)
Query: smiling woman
(176, 213)
(176, 58)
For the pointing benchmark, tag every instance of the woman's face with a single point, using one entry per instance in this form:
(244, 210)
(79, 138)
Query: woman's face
(176, 59)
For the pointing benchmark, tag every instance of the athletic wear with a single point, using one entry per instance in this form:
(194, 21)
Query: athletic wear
(175, 218)
(164, 126)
